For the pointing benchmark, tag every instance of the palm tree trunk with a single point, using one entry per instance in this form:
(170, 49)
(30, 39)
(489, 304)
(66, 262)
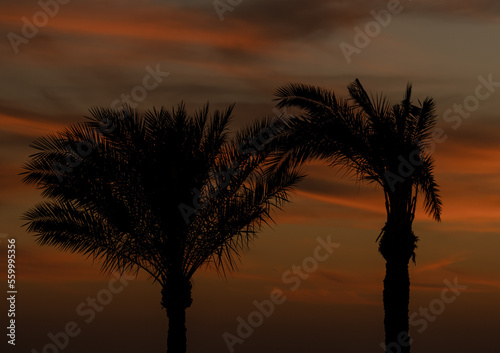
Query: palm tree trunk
(176, 298)
(177, 340)
(396, 301)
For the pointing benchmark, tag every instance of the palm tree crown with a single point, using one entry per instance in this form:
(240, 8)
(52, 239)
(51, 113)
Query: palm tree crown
(162, 191)
(375, 141)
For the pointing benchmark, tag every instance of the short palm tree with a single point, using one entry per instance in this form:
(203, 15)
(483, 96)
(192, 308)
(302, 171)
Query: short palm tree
(161, 191)
(381, 144)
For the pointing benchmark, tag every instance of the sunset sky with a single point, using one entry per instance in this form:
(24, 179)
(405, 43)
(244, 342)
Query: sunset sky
(91, 53)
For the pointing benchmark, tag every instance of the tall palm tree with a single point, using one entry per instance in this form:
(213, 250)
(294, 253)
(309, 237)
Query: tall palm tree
(381, 144)
(163, 191)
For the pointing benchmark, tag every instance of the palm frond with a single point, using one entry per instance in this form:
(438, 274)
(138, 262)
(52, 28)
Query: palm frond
(120, 203)
(366, 136)
(430, 189)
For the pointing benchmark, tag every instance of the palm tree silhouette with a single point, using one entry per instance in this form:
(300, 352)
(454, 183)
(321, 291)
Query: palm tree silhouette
(381, 144)
(161, 191)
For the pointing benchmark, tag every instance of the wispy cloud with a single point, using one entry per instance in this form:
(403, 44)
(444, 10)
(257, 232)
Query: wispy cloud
(28, 127)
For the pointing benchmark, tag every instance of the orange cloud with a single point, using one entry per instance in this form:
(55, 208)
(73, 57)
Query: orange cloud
(155, 24)
(468, 159)
(365, 206)
(28, 127)
(443, 263)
